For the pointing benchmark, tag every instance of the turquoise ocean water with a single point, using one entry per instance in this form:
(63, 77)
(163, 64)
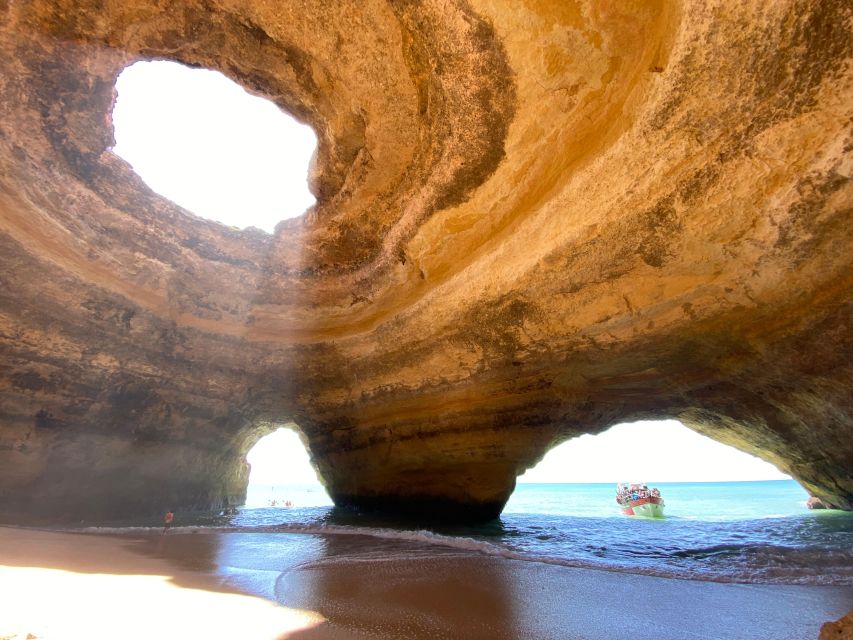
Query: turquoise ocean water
(747, 532)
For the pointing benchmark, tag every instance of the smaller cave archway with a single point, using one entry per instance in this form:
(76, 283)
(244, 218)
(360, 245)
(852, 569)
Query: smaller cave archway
(281, 472)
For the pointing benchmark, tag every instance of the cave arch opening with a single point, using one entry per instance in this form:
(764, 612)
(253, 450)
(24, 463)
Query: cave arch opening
(281, 473)
(697, 474)
(199, 139)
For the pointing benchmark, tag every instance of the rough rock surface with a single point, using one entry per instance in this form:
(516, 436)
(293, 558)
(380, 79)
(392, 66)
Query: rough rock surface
(535, 219)
(839, 630)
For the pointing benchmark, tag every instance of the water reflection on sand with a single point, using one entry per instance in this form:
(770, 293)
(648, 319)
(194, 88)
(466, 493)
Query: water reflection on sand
(377, 588)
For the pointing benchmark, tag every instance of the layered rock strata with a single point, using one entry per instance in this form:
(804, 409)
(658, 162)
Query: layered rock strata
(535, 219)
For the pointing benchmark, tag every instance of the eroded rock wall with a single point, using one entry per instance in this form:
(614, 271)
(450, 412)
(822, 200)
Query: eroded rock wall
(535, 219)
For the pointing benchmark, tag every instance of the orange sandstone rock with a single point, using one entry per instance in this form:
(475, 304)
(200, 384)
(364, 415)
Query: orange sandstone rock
(534, 219)
(839, 630)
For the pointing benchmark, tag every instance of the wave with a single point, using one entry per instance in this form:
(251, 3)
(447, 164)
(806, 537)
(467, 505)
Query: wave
(744, 563)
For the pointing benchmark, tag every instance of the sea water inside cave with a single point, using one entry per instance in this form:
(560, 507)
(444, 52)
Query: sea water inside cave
(746, 532)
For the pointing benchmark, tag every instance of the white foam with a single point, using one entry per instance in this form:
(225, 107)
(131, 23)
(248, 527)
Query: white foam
(840, 575)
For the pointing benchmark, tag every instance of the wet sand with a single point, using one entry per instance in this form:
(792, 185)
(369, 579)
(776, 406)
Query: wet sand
(309, 587)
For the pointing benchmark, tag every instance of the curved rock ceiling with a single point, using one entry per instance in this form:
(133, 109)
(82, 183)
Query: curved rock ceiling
(535, 219)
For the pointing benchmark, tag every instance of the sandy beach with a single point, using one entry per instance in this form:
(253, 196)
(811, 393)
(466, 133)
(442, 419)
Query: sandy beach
(309, 587)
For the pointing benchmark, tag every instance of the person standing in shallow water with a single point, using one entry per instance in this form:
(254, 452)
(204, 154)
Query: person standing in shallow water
(167, 521)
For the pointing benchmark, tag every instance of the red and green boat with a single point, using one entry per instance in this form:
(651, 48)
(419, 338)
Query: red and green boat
(638, 500)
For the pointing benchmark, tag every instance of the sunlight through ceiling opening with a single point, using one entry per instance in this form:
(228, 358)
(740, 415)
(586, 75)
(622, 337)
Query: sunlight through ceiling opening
(200, 140)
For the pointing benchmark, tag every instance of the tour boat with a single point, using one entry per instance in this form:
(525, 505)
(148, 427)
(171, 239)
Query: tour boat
(639, 500)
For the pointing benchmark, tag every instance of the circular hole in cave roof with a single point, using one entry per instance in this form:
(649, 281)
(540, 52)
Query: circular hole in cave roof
(200, 140)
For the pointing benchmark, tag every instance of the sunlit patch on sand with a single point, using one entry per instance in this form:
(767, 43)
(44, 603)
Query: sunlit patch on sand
(58, 604)
(277, 586)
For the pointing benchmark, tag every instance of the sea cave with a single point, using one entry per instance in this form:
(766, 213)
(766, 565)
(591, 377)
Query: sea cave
(530, 224)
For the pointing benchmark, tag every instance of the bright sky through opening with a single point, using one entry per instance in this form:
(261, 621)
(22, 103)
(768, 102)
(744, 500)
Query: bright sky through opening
(200, 140)
(648, 451)
(280, 458)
